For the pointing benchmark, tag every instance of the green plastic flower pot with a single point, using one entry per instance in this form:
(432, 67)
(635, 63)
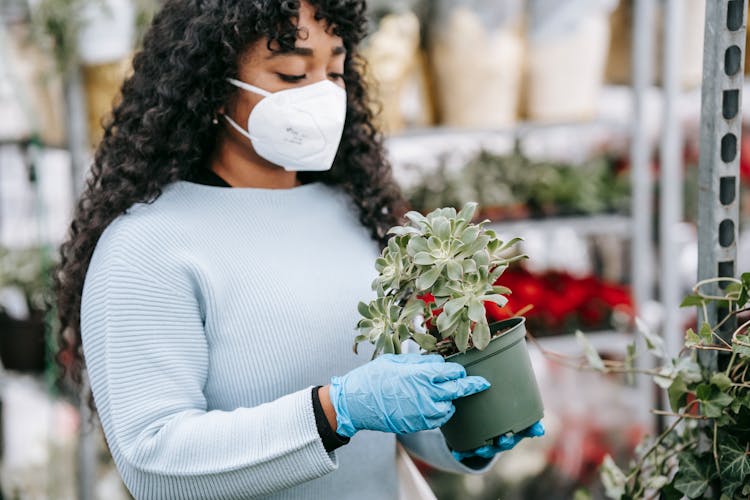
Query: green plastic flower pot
(511, 404)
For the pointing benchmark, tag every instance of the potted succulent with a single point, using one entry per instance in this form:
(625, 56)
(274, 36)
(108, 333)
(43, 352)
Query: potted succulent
(435, 276)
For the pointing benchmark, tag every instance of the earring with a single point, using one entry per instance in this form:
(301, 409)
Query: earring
(215, 121)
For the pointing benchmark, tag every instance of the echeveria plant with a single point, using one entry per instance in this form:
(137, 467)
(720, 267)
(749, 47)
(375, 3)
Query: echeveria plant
(446, 256)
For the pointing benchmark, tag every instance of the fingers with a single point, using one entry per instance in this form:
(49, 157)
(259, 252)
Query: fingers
(444, 372)
(536, 430)
(453, 389)
(413, 358)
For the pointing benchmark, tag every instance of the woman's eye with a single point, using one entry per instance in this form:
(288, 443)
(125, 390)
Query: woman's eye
(337, 76)
(291, 78)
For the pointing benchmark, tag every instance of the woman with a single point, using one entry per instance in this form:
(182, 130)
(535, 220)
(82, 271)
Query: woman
(227, 231)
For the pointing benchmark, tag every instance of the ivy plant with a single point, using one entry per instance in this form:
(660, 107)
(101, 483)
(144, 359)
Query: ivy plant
(705, 451)
(446, 256)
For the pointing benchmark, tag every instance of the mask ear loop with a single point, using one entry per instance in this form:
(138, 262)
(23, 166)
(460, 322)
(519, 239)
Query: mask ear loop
(250, 88)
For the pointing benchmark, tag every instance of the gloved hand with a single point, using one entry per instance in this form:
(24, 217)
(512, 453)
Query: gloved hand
(503, 443)
(400, 393)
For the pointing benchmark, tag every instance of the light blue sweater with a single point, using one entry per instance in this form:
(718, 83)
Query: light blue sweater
(206, 318)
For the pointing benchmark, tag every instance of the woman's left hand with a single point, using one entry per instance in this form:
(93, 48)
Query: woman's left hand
(503, 443)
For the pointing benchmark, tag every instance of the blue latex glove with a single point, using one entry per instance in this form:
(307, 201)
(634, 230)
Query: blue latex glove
(504, 443)
(400, 393)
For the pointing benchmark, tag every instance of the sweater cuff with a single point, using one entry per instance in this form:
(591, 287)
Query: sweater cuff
(331, 440)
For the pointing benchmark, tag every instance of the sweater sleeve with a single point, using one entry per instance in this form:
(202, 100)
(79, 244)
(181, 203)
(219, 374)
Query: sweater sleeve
(147, 358)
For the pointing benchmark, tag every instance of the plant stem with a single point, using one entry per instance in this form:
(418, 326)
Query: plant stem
(731, 362)
(662, 436)
(682, 415)
(716, 453)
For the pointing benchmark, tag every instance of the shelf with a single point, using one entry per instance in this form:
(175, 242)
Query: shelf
(584, 225)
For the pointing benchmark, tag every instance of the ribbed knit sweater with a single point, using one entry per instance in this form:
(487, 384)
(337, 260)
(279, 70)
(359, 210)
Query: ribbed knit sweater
(206, 318)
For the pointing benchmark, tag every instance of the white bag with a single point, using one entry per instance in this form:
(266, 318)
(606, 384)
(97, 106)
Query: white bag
(411, 484)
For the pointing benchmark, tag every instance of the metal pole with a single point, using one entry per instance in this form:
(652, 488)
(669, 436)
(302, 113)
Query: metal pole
(75, 108)
(641, 180)
(721, 129)
(671, 179)
(640, 154)
(78, 147)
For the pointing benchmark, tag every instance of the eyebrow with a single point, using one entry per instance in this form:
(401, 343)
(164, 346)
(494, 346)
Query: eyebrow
(305, 52)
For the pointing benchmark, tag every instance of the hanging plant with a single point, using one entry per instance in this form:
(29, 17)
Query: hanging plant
(705, 452)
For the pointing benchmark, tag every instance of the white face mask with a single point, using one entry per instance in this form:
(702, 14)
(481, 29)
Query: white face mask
(298, 128)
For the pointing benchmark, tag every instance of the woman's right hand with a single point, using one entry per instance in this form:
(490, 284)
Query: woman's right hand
(400, 393)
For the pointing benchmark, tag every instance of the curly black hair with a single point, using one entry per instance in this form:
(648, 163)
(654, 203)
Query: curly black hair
(162, 131)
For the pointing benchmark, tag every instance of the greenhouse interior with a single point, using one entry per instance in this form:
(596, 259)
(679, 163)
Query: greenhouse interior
(558, 187)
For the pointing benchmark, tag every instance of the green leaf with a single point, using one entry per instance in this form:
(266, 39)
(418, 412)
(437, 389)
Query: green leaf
(364, 310)
(455, 271)
(446, 322)
(470, 235)
(426, 280)
(469, 266)
(721, 381)
(613, 478)
(677, 393)
(416, 245)
(582, 494)
(425, 341)
(741, 345)
(468, 211)
(734, 463)
(654, 343)
(452, 307)
(693, 475)
(424, 259)
(417, 218)
(691, 301)
(461, 337)
(691, 338)
(592, 356)
(706, 334)
(713, 401)
(500, 300)
(481, 334)
(476, 311)
(441, 228)
(630, 363)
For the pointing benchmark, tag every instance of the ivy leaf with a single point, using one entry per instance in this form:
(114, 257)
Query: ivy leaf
(693, 475)
(654, 343)
(734, 463)
(742, 300)
(691, 339)
(669, 492)
(630, 363)
(713, 401)
(582, 494)
(706, 334)
(613, 479)
(721, 381)
(677, 393)
(691, 300)
(592, 356)
(741, 345)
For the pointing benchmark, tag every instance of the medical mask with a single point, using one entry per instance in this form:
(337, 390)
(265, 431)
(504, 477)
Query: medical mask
(298, 128)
